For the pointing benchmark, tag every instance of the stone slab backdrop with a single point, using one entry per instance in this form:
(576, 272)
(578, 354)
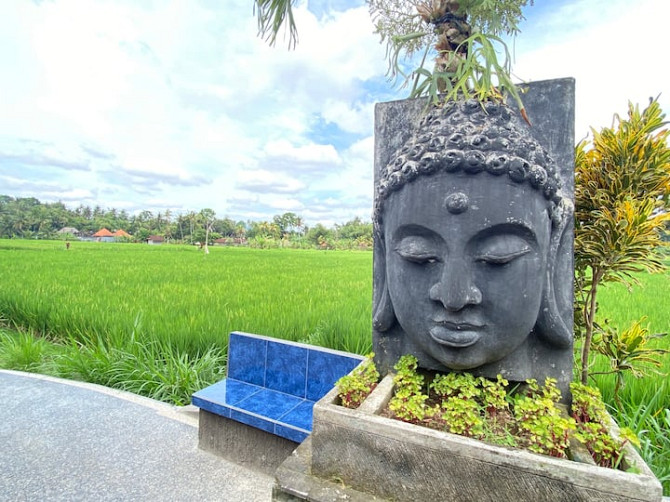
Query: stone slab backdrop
(551, 110)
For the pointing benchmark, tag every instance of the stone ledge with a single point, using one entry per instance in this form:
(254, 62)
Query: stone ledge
(294, 482)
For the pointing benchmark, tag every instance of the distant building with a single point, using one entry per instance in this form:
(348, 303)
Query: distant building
(104, 235)
(68, 230)
(120, 233)
(155, 239)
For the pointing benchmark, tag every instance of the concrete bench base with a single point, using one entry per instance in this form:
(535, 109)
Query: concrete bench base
(242, 444)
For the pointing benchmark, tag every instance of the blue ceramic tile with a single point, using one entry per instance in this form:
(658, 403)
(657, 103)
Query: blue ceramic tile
(215, 392)
(216, 408)
(290, 433)
(324, 369)
(252, 420)
(286, 368)
(246, 358)
(269, 403)
(300, 416)
(227, 392)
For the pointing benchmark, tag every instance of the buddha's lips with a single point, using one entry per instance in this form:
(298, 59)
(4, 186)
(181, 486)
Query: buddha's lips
(456, 334)
(460, 326)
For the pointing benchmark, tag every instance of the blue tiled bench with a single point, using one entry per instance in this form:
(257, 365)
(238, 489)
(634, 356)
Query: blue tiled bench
(273, 384)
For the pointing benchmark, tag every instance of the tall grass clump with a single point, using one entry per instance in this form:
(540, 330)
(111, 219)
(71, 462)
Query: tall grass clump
(26, 352)
(646, 411)
(151, 369)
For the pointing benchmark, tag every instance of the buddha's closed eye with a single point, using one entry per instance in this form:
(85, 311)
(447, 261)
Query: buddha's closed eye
(502, 249)
(417, 249)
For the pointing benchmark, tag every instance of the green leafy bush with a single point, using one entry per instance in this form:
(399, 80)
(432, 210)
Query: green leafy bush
(357, 385)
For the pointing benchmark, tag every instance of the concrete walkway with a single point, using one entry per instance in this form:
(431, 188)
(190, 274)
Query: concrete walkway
(65, 440)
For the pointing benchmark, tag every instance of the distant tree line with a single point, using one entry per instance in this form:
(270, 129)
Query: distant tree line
(28, 218)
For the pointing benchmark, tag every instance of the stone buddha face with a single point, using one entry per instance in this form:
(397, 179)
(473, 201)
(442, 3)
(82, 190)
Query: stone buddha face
(470, 241)
(466, 271)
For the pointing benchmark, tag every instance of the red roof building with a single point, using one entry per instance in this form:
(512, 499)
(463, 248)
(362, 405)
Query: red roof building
(103, 232)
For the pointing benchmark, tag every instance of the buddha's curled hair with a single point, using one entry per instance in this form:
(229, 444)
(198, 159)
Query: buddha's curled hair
(474, 138)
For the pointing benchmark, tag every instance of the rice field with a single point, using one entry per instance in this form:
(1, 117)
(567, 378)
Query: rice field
(155, 319)
(621, 307)
(181, 296)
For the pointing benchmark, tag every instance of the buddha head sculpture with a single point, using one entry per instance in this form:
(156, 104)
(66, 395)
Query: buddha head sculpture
(470, 225)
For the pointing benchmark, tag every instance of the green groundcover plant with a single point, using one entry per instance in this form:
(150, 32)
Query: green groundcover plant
(526, 416)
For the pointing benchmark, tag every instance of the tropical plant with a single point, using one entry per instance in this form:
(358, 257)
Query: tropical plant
(465, 37)
(476, 407)
(592, 422)
(408, 402)
(272, 15)
(527, 416)
(622, 190)
(626, 350)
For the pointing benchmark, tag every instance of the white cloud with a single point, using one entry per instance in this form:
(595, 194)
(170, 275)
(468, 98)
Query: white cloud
(159, 171)
(73, 195)
(613, 49)
(263, 181)
(284, 205)
(178, 105)
(307, 154)
(351, 117)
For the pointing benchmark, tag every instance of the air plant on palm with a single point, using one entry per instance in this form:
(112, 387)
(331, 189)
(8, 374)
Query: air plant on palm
(464, 37)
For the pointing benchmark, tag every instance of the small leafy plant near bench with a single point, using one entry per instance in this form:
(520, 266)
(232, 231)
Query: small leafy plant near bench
(357, 385)
(526, 416)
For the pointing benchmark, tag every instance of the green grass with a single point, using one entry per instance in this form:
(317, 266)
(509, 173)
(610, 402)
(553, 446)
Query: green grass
(26, 352)
(154, 320)
(622, 306)
(184, 298)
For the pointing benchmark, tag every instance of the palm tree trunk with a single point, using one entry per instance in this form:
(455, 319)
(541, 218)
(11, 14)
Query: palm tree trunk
(452, 30)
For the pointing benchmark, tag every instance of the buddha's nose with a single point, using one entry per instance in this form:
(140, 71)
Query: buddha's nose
(455, 288)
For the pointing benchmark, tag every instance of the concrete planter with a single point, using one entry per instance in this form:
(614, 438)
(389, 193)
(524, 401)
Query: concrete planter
(394, 460)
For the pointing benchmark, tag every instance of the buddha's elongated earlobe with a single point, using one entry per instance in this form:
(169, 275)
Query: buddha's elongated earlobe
(554, 323)
(383, 316)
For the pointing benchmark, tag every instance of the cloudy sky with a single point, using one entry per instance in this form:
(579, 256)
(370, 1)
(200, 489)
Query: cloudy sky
(176, 104)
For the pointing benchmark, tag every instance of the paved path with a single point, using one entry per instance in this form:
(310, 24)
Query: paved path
(64, 440)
